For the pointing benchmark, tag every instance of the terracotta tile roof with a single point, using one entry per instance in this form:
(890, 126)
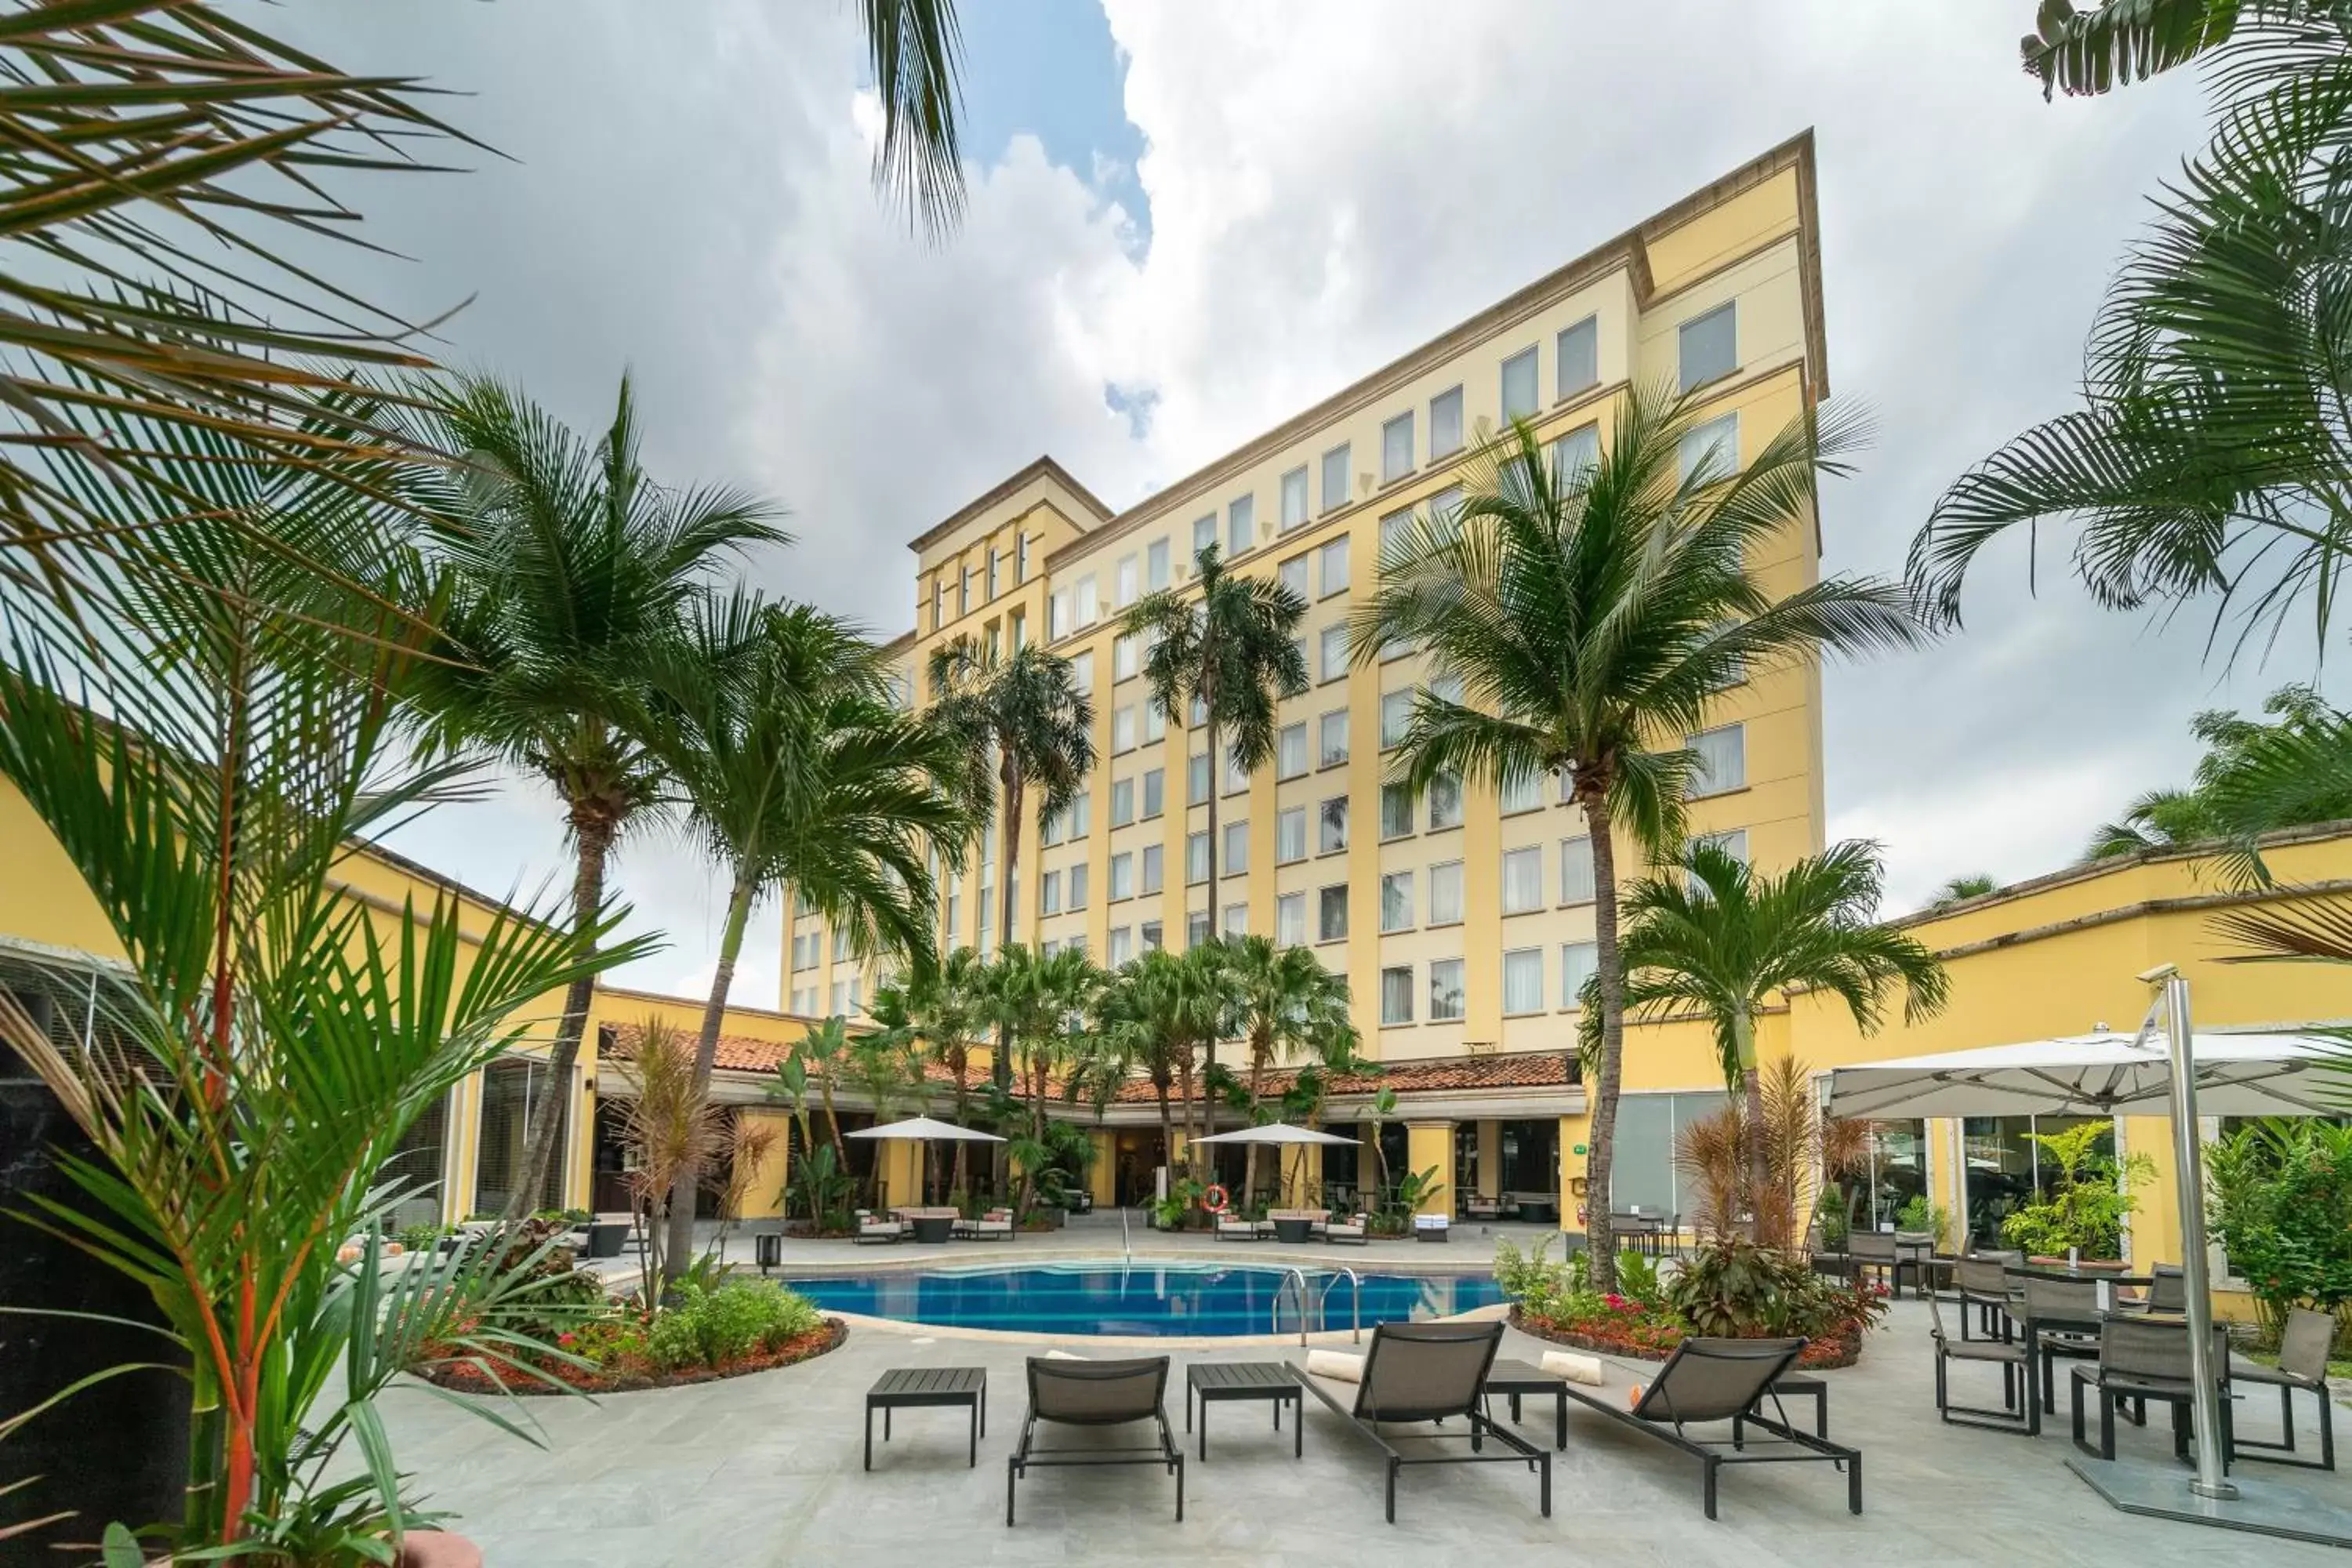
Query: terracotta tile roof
(737, 1053)
(1523, 1069)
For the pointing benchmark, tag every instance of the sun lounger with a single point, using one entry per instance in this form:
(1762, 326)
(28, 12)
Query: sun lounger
(1233, 1227)
(996, 1224)
(1707, 1382)
(876, 1228)
(1070, 1392)
(1351, 1231)
(1424, 1373)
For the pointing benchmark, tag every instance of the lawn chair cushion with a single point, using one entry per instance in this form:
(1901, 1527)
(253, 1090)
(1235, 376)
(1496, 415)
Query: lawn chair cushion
(1576, 1368)
(1341, 1366)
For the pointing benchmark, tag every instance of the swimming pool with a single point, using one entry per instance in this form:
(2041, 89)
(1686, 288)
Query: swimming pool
(1155, 1299)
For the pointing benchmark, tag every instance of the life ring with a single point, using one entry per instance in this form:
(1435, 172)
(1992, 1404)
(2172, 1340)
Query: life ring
(1215, 1199)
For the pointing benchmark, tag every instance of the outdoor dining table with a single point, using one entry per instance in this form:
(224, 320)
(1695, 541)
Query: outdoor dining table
(2040, 1395)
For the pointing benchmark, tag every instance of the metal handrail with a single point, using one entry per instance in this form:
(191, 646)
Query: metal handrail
(1355, 1300)
(1126, 1245)
(1293, 1276)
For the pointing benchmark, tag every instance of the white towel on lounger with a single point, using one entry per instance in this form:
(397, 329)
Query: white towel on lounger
(1575, 1368)
(1339, 1366)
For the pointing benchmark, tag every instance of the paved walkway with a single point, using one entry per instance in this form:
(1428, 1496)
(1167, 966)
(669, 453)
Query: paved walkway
(765, 1470)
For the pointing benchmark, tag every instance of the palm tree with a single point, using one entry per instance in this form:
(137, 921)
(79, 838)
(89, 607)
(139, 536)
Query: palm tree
(947, 1011)
(1034, 1001)
(1589, 614)
(1289, 1004)
(1025, 711)
(2253, 778)
(796, 769)
(2118, 42)
(1163, 1007)
(569, 567)
(1225, 644)
(1719, 938)
(2208, 460)
(1971, 885)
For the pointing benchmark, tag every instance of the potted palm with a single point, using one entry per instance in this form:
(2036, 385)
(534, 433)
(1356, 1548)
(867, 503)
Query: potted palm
(2080, 1221)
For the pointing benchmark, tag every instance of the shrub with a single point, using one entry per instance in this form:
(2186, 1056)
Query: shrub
(713, 1328)
(1733, 1288)
(2280, 1199)
(2085, 1213)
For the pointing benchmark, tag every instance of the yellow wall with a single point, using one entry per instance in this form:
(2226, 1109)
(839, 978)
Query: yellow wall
(1429, 1144)
(763, 1193)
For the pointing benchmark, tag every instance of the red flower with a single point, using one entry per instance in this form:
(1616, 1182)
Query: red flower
(566, 1339)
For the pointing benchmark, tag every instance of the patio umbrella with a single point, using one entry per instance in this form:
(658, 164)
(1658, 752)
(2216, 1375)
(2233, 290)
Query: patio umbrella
(1280, 1132)
(925, 1130)
(2185, 1074)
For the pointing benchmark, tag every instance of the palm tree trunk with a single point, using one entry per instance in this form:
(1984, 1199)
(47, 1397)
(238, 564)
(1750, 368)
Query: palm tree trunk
(595, 839)
(1743, 1032)
(1216, 784)
(956, 1184)
(1167, 1123)
(706, 1055)
(1009, 792)
(1249, 1158)
(1600, 1241)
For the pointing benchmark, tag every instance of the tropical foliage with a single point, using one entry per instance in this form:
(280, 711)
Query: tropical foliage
(2280, 1197)
(1591, 615)
(1288, 1004)
(1960, 889)
(2092, 1193)
(2255, 777)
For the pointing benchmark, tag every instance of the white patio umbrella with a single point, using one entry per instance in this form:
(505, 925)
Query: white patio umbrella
(1277, 1133)
(925, 1130)
(2179, 1073)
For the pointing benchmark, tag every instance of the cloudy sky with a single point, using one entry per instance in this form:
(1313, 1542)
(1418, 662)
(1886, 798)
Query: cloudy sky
(1188, 221)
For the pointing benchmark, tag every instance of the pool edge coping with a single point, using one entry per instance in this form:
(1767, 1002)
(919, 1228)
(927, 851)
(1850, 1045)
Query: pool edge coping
(1325, 1337)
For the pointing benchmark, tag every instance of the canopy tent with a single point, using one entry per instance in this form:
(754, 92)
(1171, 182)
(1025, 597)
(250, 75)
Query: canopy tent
(2101, 1074)
(925, 1130)
(2165, 1069)
(1276, 1132)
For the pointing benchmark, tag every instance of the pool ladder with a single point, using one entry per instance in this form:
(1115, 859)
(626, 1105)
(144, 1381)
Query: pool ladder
(1309, 1296)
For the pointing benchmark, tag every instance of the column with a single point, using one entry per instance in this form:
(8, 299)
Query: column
(1429, 1145)
(763, 1193)
(902, 1172)
(1105, 1169)
(1490, 1158)
(1574, 1132)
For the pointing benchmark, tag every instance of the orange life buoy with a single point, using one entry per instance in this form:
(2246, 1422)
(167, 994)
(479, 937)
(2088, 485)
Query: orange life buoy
(1215, 1199)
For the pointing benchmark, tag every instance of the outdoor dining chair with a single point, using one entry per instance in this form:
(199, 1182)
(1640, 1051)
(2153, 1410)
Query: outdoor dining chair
(2019, 1412)
(2061, 1318)
(2302, 1363)
(2142, 1358)
(1872, 1250)
(2168, 1291)
(1986, 1294)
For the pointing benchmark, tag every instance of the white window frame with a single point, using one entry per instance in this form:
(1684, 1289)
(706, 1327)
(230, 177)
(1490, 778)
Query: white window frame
(1460, 988)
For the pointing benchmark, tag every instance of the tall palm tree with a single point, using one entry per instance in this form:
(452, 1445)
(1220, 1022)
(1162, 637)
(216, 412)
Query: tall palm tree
(1591, 615)
(1969, 885)
(1025, 714)
(946, 1010)
(2209, 461)
(1719, 938)
(1289, 1004)
(1163, 1007)
(797, 768)
(1222, 642)
(571, 569)
(1039, 1006)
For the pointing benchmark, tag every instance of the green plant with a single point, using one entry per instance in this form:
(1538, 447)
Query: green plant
(1637, 1278)
(1589, 609)
(1290, 1004)
(422, 1237)
(1184, 1195)
(1731, 1286)
(1924, 1217)
(2085, 1211)
(713, 1326)
(2280, 1197)
(821, 1189)
(1414, 1189)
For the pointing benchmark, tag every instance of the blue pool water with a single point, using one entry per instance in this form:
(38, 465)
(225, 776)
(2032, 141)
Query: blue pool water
(1112, 1297)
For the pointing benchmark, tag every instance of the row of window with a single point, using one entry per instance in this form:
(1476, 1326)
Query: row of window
(1523, 985)
(988, 578)
(844, 996)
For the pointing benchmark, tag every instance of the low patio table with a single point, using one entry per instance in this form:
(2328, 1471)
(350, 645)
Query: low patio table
(1539, 1211)
(1805, 1386)
(1515, 1379)
(935, 1385)
(1275, 1381)
(1294, 1230)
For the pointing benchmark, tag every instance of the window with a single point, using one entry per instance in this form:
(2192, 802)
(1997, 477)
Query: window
(1084, 605)
(1082, 673)
(1445, 893)
(1294, 498)
(1445, 999)
(1332, 568)
(1290, 920)
(1021, 558)
(1710, 346)
(987, 914)
(840, 997)
(1396, 533)
(1237, 919)
(1295, 574)
(1205, 533)
(1150, 929)
(1079, 886)
(995, 564)
(1733, 842)
(1722, 760)
(1289, 835)
(1153, 855)
(1122, 802)
(840, 943)
(1396, 901)
(805, 951)
(1290, 750)
(1521, 793)
(1396, 717)
(1331, 914)
(1522, 879)
(1332, 833)
(1573, 455)
(1735, 670)
(1332, 739)
(1196, 778)
(1446, 511)
(1122, 877)
(1578, 961)
(1236, 851)
(1444, 802)
(1081, 812)
(939, 602)
(1334, 650)
(1019, 622)
(963, 591)
(1519, 392)
(1196, 857)
(1155, 792)
(1122, 729)
(1155, 721)
(1196, 928)
(1130, 580)
(1445, 424)
(1396, 995)
(1576, 871)
(1240, 524)
(1049, 893)
(1396, 811)
(1237, 776)
(1523, 981)
(1123, 659)
(1335, 479)
(1396, 448)
(953, 905)
(1122, 946)
(1155, 565)
(1577, 359)
(1714, 443)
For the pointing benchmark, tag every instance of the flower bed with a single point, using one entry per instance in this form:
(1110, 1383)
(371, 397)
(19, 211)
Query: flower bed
(1640, 1336)
(630, 1371)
